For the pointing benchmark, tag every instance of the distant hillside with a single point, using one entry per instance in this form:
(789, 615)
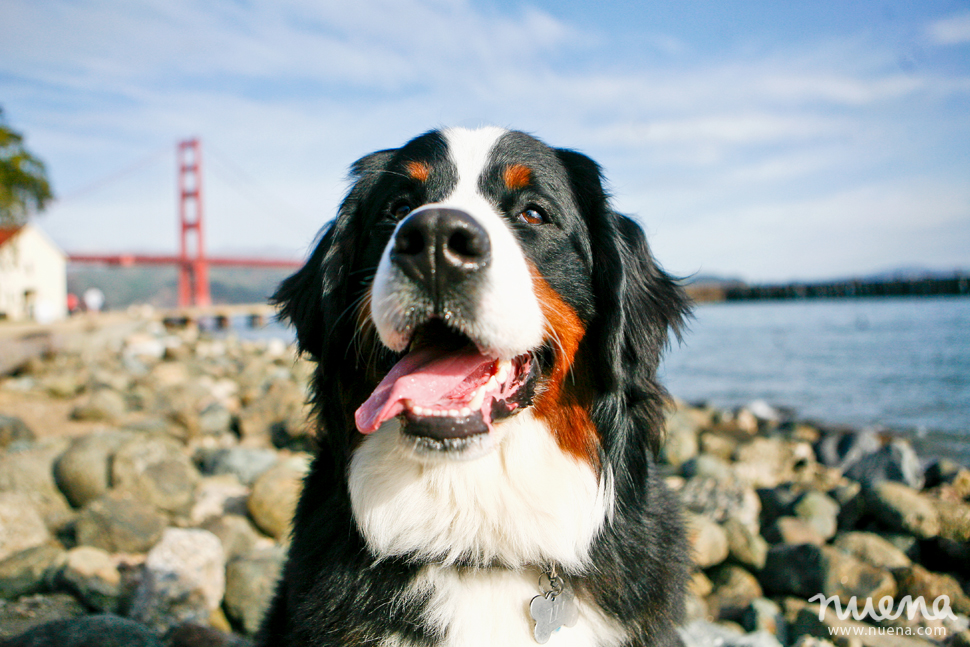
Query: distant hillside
(125, 286)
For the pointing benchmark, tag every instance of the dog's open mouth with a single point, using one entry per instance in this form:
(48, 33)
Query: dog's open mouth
(446, 389)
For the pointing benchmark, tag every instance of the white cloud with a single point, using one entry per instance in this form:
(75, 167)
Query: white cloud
(954, 30)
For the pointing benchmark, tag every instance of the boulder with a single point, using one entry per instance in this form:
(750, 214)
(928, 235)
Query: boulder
(250, 585)
(681, 444)
(245, 463)
(872, 549)
(819, 511)
(83, 472)
(183, 580)
(894, 461)
(218, 495)
(20, 616)
(29, 571)
(902, 508)
(93, 577)
(30, 472)
(708, 541)
(734, 590)
(13, 430)
(237, 534)
(745, 545)
(792, 531)
(118, 523)
(102, 630)
(21, 526)
(275, 494)
(765, 615)
(156, 471)
(806, 570)
(721, 499)
(102, 405)
(916, 581)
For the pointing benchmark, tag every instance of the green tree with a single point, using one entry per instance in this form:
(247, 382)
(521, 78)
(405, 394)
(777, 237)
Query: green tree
(24, 188)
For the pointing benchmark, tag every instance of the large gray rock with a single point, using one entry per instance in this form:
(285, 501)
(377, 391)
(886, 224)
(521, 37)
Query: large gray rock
(156, 471)
(12, 430)
(118, 523)
(30, 472)
(29, 571)
(709, 544)
(21, 526)
(183, 580)
(766, 462)
(902, 508)
(806, 570)
(681, 444)
(894, 461)
(83, 472)
(20, 616)
(250, 584)
(872, 549)
(745, 545)
(218, 495)
(765, 615)
(93, 631)
(103, 405)
(702, 633)
(237, 534)
(245, 463)
(93, 577)
(734, 590)
(919, 582)
(819, 511)
(275, 495)
(720, 499)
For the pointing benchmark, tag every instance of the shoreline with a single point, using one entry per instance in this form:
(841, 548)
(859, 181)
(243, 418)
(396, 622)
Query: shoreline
(151, 473)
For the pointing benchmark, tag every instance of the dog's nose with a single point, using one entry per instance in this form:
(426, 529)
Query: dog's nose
(441, 247)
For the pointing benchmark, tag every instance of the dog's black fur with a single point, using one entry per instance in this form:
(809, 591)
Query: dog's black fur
(333, 591)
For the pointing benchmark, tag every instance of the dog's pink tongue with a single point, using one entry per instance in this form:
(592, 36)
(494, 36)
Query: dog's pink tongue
(424, 376)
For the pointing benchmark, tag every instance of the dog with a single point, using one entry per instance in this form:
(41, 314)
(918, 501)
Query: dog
(486, 331)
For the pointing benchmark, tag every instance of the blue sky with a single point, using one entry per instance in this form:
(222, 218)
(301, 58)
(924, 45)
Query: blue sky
(766, 140)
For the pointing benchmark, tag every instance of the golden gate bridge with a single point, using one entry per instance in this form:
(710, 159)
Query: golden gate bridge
(192, 261)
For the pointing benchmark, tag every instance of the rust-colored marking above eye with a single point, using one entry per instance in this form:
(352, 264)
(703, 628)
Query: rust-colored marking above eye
(517, 176)
(419, 171)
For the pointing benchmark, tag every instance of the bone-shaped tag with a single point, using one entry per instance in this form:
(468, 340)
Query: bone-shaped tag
(552, 612)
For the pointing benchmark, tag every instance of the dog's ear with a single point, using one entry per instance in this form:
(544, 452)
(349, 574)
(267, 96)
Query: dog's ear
(637, 306)
(317, 295)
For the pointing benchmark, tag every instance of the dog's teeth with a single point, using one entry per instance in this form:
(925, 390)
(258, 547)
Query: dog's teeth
(504, 369)
(465, 412)
(476, 401)
(453, 413)
(416, 410)
(492, 384)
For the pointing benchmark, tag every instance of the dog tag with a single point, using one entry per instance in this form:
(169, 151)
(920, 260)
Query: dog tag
(551, 612)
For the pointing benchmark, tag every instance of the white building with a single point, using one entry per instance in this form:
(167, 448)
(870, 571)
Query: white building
(33, 276)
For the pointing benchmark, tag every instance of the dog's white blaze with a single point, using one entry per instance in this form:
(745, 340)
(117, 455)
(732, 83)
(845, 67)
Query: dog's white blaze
(525, 502)
(508, 319)
(487, 607)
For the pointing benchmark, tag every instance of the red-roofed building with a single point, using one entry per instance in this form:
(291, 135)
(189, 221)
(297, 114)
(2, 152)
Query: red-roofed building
(33, 276)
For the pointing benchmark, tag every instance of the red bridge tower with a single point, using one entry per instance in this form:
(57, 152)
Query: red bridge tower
(193, 284)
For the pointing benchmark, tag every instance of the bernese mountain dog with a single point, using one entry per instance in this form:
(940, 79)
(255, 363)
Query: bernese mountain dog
(486, 331)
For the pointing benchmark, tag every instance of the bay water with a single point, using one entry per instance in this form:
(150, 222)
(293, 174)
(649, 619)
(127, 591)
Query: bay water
(902, 364)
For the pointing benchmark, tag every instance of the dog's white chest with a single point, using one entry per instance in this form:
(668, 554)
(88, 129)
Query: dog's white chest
(483, 608)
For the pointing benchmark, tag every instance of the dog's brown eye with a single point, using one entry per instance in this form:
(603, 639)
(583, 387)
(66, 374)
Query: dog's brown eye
(532, 216)
(400, 210)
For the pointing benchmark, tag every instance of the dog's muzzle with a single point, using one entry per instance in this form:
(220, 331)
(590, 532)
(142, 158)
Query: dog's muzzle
(442, 250)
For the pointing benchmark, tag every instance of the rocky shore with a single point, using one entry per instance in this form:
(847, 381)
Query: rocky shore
(147, 479)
